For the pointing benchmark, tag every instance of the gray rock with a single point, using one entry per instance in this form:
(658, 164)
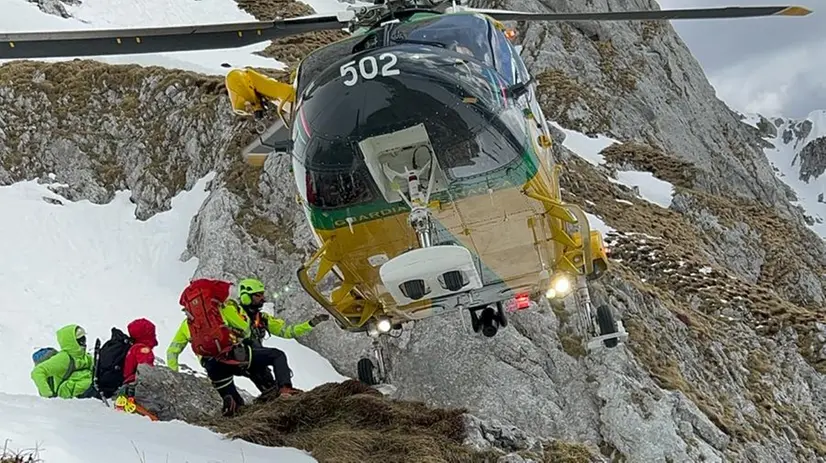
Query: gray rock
(55, 7)
(813, 159)
(178, 396)
(483, 435)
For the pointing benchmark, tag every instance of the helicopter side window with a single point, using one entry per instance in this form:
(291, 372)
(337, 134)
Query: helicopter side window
(522, 74)
(503, 54)
(335, 176)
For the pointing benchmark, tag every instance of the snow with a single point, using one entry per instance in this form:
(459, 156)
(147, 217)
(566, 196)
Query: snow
(751, 119)
(584, 146)
(598, 224)
(98, 266)
(21, 16)
(651, 188)
(83, 431)
(784, 158)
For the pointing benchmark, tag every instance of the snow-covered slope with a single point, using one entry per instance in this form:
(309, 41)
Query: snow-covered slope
(798, 154)
(22, 16)
(98, 266)
(84, 431)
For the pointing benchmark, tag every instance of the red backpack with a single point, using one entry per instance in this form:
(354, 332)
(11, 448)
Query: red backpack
(202, 301)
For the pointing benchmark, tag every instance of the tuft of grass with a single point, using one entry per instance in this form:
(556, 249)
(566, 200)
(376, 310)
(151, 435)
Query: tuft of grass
(566, 452)
(21, 456)
(289, 50)
(560, 93)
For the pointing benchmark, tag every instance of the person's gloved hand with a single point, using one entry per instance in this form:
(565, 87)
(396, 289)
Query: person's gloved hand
(319, 318)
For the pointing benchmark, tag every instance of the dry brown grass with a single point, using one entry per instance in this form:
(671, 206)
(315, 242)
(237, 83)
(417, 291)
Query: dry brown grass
(650, 159)
(289, 50)
(67, 90)
(21, 456)
(566, 452)
(559, 93)
(351, 422)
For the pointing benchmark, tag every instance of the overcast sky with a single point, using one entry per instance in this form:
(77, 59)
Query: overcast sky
(774, 65)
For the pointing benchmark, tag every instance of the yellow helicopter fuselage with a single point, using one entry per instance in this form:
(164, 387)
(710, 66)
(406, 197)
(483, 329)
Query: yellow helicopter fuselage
(513, 236)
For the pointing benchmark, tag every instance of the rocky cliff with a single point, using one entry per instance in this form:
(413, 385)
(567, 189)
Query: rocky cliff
(796, 150)
(351, 422)
(722, 292)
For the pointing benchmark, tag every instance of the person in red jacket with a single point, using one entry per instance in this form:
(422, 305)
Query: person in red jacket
(142, 332)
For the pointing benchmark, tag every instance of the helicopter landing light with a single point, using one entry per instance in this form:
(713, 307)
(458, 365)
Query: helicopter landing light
(561, 284)
(383, 325)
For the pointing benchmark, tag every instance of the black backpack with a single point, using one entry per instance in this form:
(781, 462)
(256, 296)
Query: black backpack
(109, 361)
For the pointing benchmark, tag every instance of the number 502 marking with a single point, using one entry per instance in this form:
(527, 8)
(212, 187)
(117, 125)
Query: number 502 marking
(368, 68)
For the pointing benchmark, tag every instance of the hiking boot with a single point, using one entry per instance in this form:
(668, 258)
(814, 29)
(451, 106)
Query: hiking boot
(230, 406)
(287, 391)
(272, 392)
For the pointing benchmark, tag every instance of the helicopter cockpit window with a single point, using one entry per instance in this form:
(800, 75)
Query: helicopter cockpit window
(339, 188)
(494, 144)
(335, 175)
(522, 74)
(463, 33)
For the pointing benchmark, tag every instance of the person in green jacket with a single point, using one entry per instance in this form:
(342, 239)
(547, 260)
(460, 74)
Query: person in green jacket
(69, 373)
(253, 325)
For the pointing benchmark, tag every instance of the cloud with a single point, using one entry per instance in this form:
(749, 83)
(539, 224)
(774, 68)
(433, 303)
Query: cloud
(773, 65)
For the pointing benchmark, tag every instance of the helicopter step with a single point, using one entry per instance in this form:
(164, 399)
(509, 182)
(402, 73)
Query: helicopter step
(434, 271)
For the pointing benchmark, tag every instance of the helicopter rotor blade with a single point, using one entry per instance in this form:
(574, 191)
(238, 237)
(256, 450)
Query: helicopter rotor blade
(19, 45)
(649, 15)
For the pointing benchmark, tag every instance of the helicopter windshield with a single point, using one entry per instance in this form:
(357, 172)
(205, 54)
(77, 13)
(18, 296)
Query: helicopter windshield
(462, 33)
(471, 136)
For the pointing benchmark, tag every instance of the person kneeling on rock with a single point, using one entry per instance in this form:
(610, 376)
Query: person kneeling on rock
(261, 325)
(248, 358)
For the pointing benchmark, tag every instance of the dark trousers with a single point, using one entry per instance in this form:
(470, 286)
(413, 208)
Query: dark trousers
(90, 393)
(221, 374)
(255, 363)
(275, 358)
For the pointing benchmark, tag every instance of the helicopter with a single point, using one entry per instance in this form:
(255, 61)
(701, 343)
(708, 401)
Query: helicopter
(421, 156)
